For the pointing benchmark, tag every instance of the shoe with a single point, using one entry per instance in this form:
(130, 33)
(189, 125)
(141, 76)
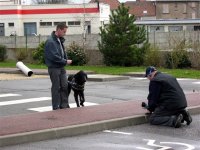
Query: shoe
(187, 117)
(178, 120)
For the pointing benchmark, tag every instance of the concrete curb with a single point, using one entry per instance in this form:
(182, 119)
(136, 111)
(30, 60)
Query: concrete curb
(70, 130)
(75, 130)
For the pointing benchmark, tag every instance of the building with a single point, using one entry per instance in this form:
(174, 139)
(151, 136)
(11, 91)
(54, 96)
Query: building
(24, 20)
(113, 3)
(141, 9)
(170, 25)
(177, 9)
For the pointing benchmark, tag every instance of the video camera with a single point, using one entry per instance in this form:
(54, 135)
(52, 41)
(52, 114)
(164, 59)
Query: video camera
(144, 105)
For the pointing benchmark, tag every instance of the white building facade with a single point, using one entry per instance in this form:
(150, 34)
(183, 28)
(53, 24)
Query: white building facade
(41, 19)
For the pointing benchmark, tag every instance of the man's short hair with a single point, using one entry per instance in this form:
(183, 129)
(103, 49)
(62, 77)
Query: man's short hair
(61, 26)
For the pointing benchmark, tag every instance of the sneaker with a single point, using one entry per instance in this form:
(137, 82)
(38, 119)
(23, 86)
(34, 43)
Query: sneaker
(178, 120)
(187, 117)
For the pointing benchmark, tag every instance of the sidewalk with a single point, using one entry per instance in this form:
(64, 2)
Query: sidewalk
(75, 121)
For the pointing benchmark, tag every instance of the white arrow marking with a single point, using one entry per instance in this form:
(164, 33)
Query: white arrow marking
(189, 147)
(151, 143)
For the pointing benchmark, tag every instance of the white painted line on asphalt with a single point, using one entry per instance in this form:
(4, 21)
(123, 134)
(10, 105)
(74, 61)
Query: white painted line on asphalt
(183, 79)
(117, 132)
(9, 95)
(49, 108)
(21, 101)
(196, 82)
(138, 78)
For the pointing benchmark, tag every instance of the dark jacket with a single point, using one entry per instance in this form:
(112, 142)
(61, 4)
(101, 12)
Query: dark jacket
(164, 90)
(53, 52)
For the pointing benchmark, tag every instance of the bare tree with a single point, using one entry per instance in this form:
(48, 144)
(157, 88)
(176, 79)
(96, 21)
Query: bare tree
(50, 1)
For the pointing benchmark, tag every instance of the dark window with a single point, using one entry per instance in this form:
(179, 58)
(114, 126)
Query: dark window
(56, 23)
(11, 24)
(196, 28)
(45, 24)
(74, 23)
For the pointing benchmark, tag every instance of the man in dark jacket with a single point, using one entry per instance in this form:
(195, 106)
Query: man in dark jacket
(56, 59)
(166, 100)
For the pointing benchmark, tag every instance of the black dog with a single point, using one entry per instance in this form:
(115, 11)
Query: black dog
(77, 84)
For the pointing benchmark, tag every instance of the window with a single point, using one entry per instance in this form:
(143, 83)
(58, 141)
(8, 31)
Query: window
(74, 23)
(56, 23)
(45, 24)
(184, 8)
(176, 6)
(156, 28)
(165, 8)
(193, 4)
(193, 15)
(196, 28)
(175, 28)
(11, 24)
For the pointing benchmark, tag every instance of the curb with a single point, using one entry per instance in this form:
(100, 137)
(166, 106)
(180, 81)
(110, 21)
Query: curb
(69, 131)
(75, 130)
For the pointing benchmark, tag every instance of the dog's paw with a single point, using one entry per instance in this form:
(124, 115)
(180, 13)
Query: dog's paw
(82, 104)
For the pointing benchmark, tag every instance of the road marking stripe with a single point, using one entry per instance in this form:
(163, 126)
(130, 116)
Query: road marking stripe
(9, 94)
(117, 132)
(196, 82)
(49, 108)
(24, 101)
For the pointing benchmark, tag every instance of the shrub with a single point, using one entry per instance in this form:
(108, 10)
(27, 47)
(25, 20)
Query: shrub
(2, 52)
(21, 54)
(76, 53)
(38, 53)
(152, 57)
(178, 57)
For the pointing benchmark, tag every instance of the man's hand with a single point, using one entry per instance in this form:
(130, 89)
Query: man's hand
(69, 61)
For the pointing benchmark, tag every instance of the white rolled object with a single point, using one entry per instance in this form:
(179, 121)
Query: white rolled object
(24, 68)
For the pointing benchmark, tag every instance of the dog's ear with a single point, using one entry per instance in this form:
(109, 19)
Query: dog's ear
(86, 76)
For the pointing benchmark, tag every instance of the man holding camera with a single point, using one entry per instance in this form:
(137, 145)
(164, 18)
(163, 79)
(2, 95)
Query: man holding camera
(166, 100)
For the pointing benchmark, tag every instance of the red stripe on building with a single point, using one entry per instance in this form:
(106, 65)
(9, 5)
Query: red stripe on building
(49, 11)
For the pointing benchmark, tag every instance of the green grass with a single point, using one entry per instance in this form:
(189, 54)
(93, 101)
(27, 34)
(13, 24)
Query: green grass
(179, 73)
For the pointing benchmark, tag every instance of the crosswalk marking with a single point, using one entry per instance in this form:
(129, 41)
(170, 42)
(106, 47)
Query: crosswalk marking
(9, 94)
(196, 82)
(24, 101)
(49, 108)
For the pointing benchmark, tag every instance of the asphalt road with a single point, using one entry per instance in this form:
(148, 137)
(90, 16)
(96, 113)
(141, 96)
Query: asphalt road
(139, 137)
(33, 95)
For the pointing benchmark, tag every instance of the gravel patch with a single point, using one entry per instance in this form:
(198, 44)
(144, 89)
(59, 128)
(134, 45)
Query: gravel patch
(6, 76)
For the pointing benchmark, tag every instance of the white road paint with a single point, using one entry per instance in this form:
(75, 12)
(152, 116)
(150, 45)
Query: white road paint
(117, 132)
(189, 147)
(151, 143)
(161, 147)
(21, 101)
(195, 82)
(49, 108)
(9, 95)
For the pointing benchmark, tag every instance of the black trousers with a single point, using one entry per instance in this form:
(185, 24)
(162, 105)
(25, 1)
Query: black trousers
(59, 91)
(162, 116)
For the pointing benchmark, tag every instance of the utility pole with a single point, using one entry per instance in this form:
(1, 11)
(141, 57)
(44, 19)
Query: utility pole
(84, 30)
